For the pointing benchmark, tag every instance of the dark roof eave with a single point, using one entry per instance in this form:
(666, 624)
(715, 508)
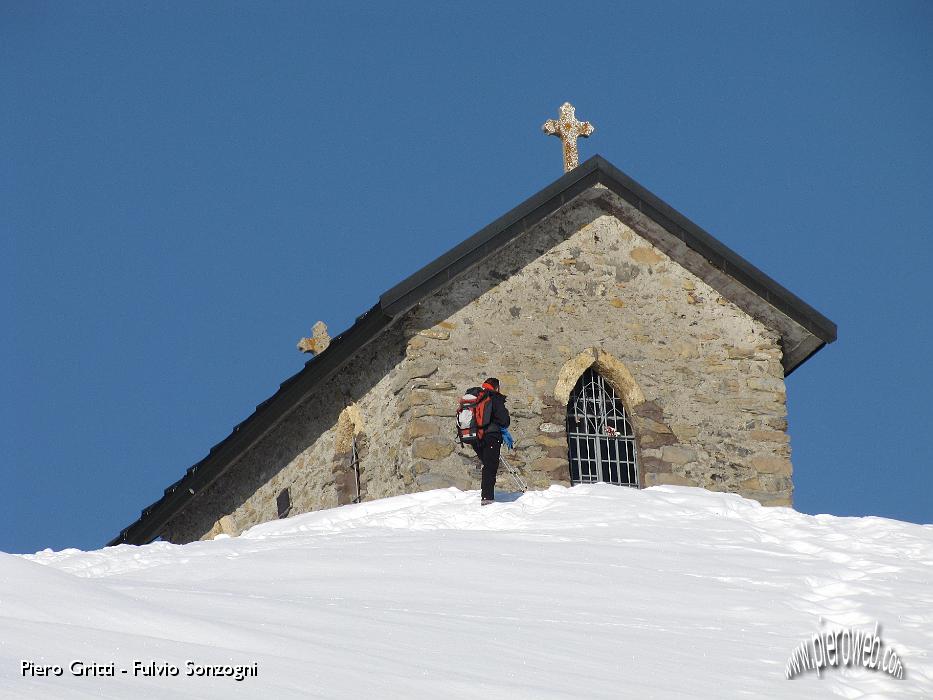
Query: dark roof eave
(597, 169)
(461, 257)
(716, 253)
(267, 415)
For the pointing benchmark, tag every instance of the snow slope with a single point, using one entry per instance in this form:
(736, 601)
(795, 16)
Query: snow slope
(594, 591)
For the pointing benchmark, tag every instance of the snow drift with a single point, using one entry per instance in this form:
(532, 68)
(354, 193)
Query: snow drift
(594, 591)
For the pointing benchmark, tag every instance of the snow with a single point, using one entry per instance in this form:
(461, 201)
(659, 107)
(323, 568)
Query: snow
(593, 592)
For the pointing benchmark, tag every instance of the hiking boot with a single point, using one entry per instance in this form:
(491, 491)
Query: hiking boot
(487, 501)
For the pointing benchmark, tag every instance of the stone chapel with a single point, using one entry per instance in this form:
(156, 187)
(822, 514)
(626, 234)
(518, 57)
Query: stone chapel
(634, 349)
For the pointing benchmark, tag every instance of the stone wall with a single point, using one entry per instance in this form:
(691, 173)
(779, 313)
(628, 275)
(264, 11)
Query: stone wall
(701, 379)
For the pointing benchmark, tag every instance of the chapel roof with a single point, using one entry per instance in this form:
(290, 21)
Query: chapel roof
(803, 329)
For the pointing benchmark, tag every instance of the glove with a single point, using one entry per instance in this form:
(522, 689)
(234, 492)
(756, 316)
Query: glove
(507, 438)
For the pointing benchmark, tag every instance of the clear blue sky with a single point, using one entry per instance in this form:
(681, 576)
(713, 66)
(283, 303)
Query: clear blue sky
(185, 188)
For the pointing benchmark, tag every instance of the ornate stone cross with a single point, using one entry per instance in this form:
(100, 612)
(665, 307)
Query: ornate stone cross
(568, 129)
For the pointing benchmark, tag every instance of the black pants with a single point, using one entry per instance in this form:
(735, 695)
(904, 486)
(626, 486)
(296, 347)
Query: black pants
(488, 450)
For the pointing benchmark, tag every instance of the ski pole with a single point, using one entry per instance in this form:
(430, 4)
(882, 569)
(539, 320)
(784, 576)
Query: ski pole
(516, 477)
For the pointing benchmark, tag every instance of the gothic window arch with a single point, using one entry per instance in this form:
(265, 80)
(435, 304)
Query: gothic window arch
(601, 442)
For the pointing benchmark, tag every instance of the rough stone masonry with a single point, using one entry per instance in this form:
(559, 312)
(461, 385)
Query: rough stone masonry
(701, 380)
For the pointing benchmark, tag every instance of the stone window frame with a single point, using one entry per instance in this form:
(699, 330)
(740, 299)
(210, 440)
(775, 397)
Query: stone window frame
(616, 373)
(625, 454)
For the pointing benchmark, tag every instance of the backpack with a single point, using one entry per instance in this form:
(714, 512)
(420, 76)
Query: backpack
(474, 413)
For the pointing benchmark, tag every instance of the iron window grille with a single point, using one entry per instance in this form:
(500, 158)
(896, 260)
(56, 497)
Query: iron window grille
(601, 442)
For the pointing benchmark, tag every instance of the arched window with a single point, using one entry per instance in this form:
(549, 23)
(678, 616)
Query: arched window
(600, 436)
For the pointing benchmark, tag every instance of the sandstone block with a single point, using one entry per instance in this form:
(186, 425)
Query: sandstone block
(662, 478)
(684, 431)
(416, 344)
(228, 526)
(774, 483)
(786, 501)
(655, 439)
(686, 349)
(431, 448)
(419, 427)
(771, 384)
(412, 399)
(430, 410)
(740, 353)
(438, 480)
(415, 370)
(758, 405)
(777, 423)
(548, 440)
(771, 465)
(645, 255)
(776, 499)
(654, 465)
(649, 409)
(550, 464)
(552, 415)
(729, 385)
(678, 455)
(654, 426)
(224, 526)
(768, 436)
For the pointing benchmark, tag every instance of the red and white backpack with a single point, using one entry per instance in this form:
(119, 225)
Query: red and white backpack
(474, 413)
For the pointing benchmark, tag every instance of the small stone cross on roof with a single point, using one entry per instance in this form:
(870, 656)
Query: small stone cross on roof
(318, 341)
(567, 128)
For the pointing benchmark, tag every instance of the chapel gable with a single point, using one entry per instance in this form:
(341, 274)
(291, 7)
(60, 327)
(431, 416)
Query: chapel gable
(634, 348)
